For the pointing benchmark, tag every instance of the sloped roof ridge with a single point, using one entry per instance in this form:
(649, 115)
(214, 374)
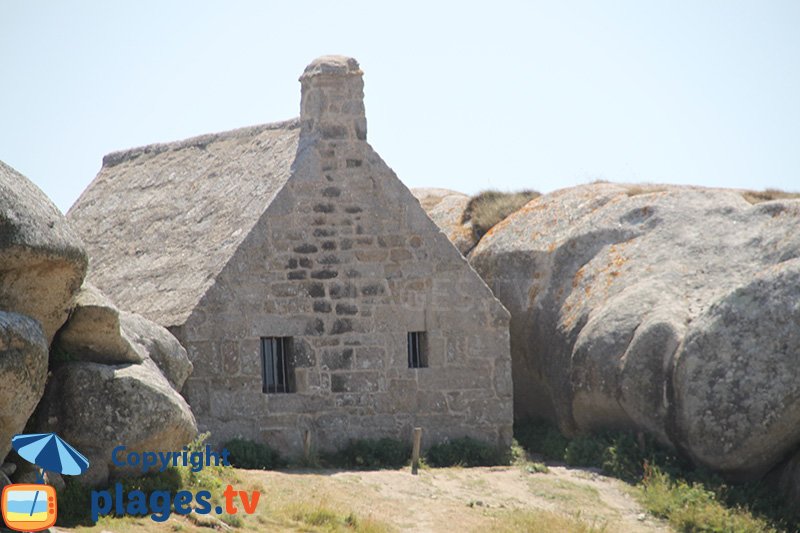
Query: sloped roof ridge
(122, 156)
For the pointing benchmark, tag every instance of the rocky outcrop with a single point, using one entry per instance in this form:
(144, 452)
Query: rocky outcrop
(42, 262)
(93, 332)
(159, 346)
(108, 384)
(672, 310)
(99, 332)
(96, 407)
(736, 377)
(23, 371)
(115, 381)
(446, 209)
(430, 197)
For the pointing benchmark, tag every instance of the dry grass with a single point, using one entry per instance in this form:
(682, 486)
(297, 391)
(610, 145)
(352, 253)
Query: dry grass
(756, 197)
(505, 499)
(545, 522)
(490, 207)
(636, 190)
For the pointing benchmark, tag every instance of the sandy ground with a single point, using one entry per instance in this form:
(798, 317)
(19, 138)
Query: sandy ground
(457, 500)
(471, 499)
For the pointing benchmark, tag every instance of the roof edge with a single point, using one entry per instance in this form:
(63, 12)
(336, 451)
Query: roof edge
(121, 156)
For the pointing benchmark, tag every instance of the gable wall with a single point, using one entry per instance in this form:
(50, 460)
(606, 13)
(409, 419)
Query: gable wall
(346, 262)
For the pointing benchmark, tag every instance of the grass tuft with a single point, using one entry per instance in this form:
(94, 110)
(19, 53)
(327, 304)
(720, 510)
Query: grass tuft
(466, 451)
(756, 197)
(488, 208)
(369, 454)
(321, 516)
(636, 190)
(253, 455)
(539, 521)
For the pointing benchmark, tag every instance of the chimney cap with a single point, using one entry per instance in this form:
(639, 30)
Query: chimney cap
(332, 65)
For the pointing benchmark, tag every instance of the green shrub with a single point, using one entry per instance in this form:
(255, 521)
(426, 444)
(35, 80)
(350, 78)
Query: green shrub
(252, 455)
(466, 451)
(212, 477)
(233, 520)
(623, 458)
(692, 499)
(370, 453)
(691, 507)
(585, 451)
(490, 207)
(170, 479)
(74, 504)
(541, 438)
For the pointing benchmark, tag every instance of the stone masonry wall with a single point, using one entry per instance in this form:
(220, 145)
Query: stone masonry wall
(346, 262)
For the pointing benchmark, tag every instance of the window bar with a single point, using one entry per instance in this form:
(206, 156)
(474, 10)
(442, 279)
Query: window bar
(272, 375)
(266, 354)
(278, 369)
(283, 364)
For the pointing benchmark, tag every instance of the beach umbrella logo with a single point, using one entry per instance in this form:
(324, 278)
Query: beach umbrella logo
(50, 452)
(33, 506)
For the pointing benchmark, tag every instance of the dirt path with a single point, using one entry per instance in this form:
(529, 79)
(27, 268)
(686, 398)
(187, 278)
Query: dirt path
(452, 500)
(472, 499)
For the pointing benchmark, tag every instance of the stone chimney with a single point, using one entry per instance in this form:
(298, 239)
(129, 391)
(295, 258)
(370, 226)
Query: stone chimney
(332, 99)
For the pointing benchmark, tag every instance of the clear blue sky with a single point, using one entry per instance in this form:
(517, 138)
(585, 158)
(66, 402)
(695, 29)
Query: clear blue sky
(468, 96)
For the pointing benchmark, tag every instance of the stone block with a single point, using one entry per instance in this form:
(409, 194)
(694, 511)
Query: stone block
(341, 325)
(346, 309)
(324, 274)
(339, 359)
(229, 350)
(356, 382)
(370, 357)
(322, 306)
(454, 378)
(315, 289)
(305, 249)
(338, 290)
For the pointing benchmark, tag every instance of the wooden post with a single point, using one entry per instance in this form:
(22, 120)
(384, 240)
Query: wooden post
(415, 451)
(307, 445)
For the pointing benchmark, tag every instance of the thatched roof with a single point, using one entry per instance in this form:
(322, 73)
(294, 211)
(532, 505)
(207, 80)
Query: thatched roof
(160, 222)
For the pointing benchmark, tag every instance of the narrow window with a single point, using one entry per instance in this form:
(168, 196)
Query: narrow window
(417, 350)
(277, 375)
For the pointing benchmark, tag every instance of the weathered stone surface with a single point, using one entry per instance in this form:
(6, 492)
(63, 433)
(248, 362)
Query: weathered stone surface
(160, 346)
(737, 378)
(31, 475)
(8, 468)
(93, 331)
(96, 407)
(98, 332)
(42, 262)
(23, 371)
(667, 309)
(430, 197)
(446, 209)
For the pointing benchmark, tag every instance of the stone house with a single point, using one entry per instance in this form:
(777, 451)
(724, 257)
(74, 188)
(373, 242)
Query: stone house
(311, 290)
